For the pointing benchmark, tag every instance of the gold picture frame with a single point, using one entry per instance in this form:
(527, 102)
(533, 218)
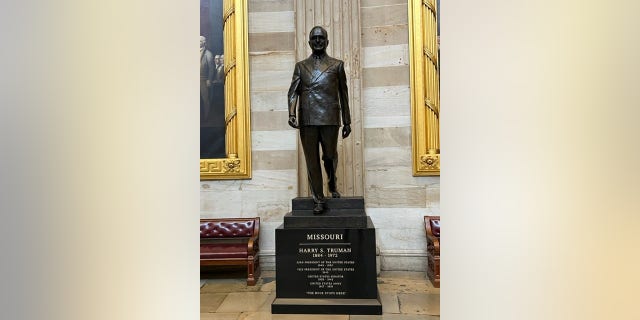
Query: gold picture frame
(237, 162)
(425, 87)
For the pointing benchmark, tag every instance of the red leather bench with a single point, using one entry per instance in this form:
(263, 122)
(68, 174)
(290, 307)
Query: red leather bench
(432, 227)
(231, 241)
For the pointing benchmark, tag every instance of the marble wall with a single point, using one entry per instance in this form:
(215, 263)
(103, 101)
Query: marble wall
(396, 201)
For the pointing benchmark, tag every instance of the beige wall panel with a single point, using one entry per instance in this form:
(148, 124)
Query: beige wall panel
(399, 238)
(270, 205)
(211, 206)
(269, 120)
(384, 97)
(386, 121)
(271, 80)
(267, 210)
(220, 185)
(274, 140)
(250, 200)
(272, 41)
(385, 76)
(385, 56)
(385, 35)
(274, 160)
(272, 211)
(384, 15)
(268, 244)
(409, 197)
(397, 218)
(281, 183)
(270, 180)
(386, 108)
(387, 101)
(268, 100)
(433, 197)
(375, 3)
(387, 157)
(261, 22)
(387, 137)
(399, 177)
(405, 262)
(270, 5)
(275, 61)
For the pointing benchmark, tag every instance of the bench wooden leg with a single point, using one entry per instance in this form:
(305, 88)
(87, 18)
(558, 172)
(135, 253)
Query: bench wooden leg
(253, 271)
(433, 270)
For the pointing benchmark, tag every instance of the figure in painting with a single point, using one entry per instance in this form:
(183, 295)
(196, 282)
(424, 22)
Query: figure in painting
(219, 61)
(319, 90)
(207, 73)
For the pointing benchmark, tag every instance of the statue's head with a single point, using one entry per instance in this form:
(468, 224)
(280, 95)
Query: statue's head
(318, 40)
(203, 42)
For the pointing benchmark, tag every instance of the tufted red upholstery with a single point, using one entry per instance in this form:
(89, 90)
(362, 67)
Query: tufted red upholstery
(231, 241)
(226, 229)
(432, 228)
(435, 227)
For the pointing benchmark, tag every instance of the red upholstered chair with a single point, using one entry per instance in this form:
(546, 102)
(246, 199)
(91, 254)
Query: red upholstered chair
(432, 228)
(231, 241)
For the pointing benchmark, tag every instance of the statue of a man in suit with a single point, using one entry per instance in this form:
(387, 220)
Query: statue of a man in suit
(320, 84)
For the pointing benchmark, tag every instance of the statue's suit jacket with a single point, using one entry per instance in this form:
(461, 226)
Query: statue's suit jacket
(321, 91)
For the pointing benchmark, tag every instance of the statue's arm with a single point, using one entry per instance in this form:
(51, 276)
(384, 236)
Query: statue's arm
(292, 96)
(344, 95)
(344, 101)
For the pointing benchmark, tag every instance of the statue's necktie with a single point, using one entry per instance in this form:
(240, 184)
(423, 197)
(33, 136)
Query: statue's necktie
(316, 66)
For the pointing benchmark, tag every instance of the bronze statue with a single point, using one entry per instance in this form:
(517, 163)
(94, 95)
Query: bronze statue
(320, 84)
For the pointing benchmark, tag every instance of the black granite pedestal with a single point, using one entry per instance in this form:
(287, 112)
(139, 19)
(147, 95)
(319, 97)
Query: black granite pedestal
(326, 263)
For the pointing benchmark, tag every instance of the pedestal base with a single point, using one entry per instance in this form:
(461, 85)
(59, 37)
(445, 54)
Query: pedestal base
(326, 264)
(327, 306)
(347, 212)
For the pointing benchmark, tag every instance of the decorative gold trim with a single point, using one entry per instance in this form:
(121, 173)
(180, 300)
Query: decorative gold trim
(230, 116)
(432, 57)
(430, 162)
(432, 108)
(237, 163)
(229, 66)
(425, 87)
(227, 13)
(430, 5)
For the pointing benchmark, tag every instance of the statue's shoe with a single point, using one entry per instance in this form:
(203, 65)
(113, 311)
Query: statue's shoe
(318, 208)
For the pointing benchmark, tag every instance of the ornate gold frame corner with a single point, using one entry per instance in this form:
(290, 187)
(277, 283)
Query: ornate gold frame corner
(237, 164)
(425, 87)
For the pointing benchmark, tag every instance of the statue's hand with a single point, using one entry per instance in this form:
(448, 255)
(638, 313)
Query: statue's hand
(293, 122)
(346, 131)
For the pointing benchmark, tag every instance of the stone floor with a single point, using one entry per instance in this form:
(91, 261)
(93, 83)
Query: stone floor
(404, 295)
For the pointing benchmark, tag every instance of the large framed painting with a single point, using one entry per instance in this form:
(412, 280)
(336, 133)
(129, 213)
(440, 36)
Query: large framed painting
(225, 141)
(424, 51)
